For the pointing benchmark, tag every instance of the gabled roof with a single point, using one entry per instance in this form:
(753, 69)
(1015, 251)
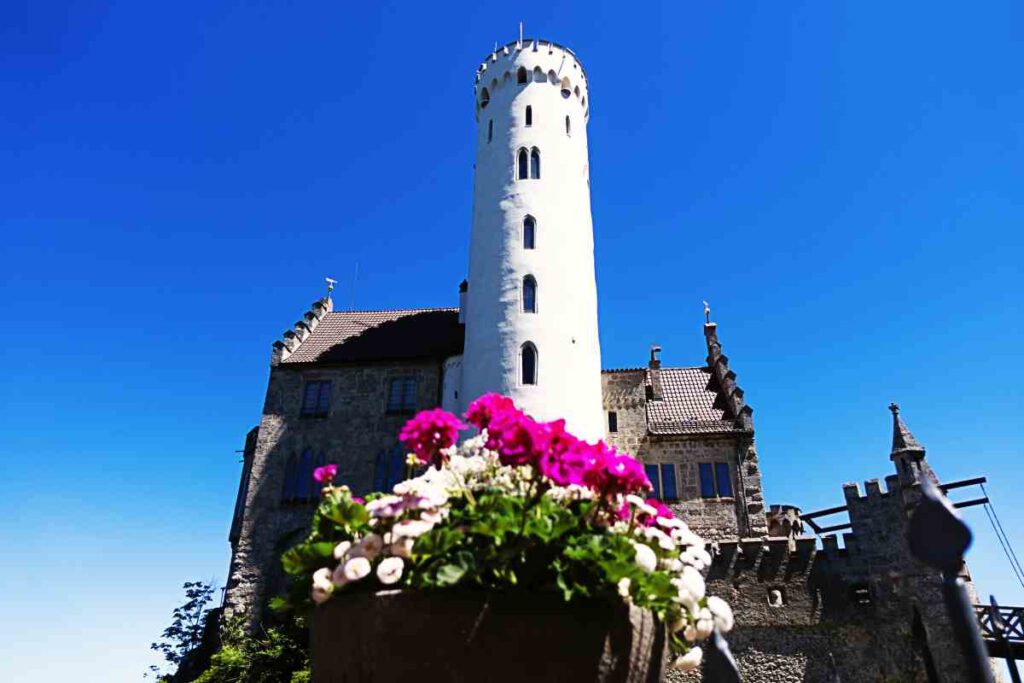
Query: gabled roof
(360, 336)
(688, 404)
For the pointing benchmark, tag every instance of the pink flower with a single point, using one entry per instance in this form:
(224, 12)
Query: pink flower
(325, 474)
(625, 474)
(516, 437)
(664, 511)
(429, 432)
(357, 499)
(484, 409)
(563, 458)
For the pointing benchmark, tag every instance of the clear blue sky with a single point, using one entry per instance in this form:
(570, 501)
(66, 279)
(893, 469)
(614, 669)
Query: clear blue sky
(841, 180)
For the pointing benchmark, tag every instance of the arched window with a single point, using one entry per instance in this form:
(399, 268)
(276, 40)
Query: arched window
(490, 128)
(529, 115)
(304, 476)
(576, 91)
(534, 163)
(529, 294)
(521, 75)
(485, 98)
(566, 88)
(524, 164)
(568, 127)
(538, 75)
(528, 363)
(529, 232)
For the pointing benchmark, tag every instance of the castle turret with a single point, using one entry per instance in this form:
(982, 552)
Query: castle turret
(531, 307)
(907, 454)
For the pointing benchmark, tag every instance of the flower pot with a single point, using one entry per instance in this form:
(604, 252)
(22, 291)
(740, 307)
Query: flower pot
(478, 636)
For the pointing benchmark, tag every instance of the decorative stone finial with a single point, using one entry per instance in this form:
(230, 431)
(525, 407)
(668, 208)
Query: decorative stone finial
(895, 408)
(330, 285)
(707, 313)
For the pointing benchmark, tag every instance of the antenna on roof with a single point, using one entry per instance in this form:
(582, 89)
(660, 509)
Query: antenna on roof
(330, 285)
(520, 34)
(355, 278)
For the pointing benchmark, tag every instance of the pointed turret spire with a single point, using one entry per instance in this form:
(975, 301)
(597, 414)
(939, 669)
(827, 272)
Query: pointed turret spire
(902, 440)
(730, 396)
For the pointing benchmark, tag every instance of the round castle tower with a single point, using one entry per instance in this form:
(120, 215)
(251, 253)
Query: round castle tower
(531, 307)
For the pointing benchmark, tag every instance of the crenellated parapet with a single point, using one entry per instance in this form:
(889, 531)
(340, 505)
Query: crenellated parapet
(291, 339)
(731, 396)
(531, 62)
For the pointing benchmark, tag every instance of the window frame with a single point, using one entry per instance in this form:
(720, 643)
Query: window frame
(529, 228)
(613, 422)
(528, 118)
(715, 468)
(535, 164)
(320, 405)
(407, 398)
(522, 365)
(658, 482)
(522, 164)
(529, 283)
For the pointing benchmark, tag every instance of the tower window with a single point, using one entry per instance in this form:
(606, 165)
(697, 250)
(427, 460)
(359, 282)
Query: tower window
(528, 363)
(485, 98)
(663, 480)
(524, 164)
(521, 75)
(529, 232)
(390, 468)
(529, 294)
(715, 480)
(568, 126)
(299, 486)
(490, 129)
(529, 115)
(401, 395)
(566, 88)
(316, 399)
(538, 75)
(535, 163)
(613, 421)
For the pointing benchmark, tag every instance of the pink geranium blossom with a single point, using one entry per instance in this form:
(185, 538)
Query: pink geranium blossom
(325, 474)
(429, 432)
(484, 409)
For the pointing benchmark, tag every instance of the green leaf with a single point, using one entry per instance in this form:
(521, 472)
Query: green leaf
(450, 574)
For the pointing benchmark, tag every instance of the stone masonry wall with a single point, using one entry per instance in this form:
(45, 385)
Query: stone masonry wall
(356, 429)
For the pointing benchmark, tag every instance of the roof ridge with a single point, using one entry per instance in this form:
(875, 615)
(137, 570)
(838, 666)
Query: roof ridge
(728, 389)
(400, 310)
(641, 368)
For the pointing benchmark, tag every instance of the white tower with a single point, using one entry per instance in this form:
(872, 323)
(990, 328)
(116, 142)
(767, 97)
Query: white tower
(531, 308)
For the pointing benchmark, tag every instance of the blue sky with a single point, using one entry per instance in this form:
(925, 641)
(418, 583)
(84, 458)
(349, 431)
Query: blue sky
(841, 180)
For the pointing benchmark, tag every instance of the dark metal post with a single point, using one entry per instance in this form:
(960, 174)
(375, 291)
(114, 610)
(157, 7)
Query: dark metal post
(939, 538)
(999, 631)
(719, 666)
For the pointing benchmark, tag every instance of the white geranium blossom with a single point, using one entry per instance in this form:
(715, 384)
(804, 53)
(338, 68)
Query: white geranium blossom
(645, 557)
(690, 585)
(356, 568)
(623, 586)
(722, 613)
(338, 577)
(341, 549)
(689, 661)
(401, 547)
(389, 571)
(370, 546)
(655, 534)
(411, 528)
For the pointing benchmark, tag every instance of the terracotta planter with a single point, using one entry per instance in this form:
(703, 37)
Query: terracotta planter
(466, 636)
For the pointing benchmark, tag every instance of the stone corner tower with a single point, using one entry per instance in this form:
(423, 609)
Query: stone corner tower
(531, 306)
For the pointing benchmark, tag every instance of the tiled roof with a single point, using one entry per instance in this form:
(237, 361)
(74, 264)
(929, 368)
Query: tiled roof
(687, 405)
(354, 336)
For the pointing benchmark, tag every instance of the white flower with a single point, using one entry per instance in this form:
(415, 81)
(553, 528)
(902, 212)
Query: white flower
(704, 628)
(356, 568)
(385, 506)
(411, 528)
(341, 549)
(671, 564)
(689, 661)
(698, 558)
(338, 577)
(371, 545)
(690, 633)
(319, 595)
(623, 586)
(389, 570)
(411, 460)
(322, 580)
(402, 547)
(635, 500)
(663, 539)
(722, 613)
(690, 585)
(432, 516)
(645, 557)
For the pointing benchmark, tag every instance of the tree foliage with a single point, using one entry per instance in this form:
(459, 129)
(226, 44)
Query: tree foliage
(187, 622)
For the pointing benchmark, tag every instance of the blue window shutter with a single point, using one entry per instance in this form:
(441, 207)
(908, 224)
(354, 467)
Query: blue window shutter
(309, 397)
(324, 403)
(304, 476)
(668, 482)
(288, 490)
(707, 480)
(396, 468)
(724, 480)
(652, 473)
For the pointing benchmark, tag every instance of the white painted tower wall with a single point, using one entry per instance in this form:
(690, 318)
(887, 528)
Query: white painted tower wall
(564, 327)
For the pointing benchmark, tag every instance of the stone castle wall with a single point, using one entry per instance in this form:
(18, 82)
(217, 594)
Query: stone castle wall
(355, 430)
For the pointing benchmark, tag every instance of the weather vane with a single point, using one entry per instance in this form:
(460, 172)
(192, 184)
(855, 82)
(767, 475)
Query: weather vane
(707, 312)
(330, 285)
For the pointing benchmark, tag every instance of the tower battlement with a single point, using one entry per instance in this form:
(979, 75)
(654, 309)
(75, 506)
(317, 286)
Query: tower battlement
(526, 62)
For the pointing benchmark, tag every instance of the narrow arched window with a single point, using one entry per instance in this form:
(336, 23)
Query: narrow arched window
(524, 164)
(490, 128)
(566, 88)
(521, 75)
(304, 476)
(568, 126)
(528, 364)
(535, 163)
(529, 294)
(529, 115)
(538, 75)
(485, 98)
(529, 232)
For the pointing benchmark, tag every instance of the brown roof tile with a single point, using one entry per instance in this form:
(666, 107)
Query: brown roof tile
(688, 404)
(359, 336)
